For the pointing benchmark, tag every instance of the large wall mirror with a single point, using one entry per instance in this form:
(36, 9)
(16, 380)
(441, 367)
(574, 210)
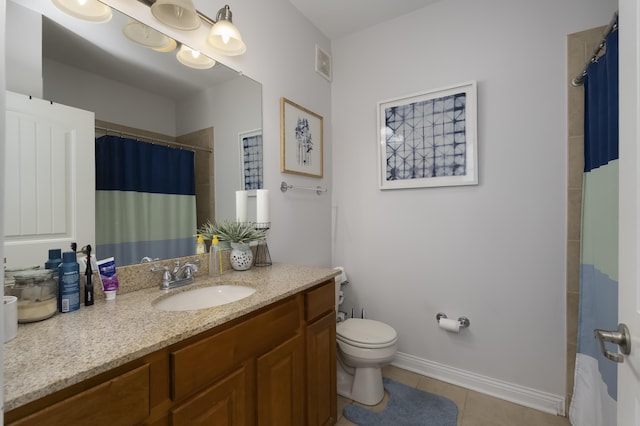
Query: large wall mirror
(134, 90)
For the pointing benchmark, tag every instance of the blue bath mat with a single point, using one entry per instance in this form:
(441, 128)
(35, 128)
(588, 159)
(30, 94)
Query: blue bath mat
(407, 406)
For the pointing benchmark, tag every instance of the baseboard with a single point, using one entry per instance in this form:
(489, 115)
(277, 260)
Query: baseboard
(543, 401)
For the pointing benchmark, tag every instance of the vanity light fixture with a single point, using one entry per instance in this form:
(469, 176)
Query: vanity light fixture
(194, 59)
(87, 10)
(224, 36)
(145, 35)
(179, 14)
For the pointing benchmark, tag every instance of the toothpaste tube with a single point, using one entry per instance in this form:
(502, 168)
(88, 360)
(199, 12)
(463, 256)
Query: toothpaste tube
(108, 277)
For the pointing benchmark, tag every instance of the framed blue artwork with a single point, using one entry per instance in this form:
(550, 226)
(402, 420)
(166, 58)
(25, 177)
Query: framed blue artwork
(429, 139)
(251, 160)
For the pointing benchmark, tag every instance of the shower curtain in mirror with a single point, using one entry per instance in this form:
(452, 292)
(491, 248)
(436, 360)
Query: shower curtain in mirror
(595, 386)
(145, 200)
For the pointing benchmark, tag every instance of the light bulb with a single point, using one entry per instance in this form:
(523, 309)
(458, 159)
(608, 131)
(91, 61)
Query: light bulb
(178, 11)
(193, 58)
(225, 38)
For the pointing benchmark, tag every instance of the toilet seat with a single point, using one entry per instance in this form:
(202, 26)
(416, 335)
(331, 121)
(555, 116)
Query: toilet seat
(365, 333)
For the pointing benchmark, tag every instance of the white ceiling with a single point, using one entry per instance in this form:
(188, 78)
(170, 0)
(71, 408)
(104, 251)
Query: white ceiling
(337, 18)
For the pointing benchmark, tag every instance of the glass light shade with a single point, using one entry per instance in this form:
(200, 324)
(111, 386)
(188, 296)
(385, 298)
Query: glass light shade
(226, 39)
(87, 10)
(180, 14)
(194, 59)
(170, 47)
(145, 35)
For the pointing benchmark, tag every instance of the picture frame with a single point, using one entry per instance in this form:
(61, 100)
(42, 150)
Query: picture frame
(429, 139)
(251, 160)
(301, 140)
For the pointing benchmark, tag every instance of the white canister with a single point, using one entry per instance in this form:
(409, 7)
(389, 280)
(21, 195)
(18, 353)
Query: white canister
(10, 317)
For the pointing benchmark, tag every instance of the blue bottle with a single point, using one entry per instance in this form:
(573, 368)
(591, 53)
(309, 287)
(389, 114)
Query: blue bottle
(68, 283)
(55, 259)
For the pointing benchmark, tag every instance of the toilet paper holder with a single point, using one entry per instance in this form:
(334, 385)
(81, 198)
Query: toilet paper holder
(463, 321)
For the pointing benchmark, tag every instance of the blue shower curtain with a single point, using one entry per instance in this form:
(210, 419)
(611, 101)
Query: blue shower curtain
(595, 386)
(145, 200)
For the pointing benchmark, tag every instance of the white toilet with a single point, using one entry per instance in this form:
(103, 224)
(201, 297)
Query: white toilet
(364, 347)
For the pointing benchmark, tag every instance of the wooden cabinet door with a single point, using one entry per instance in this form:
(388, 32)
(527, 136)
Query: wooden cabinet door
(280, 385)
(321, 371)
(123, 400)
(224, 403)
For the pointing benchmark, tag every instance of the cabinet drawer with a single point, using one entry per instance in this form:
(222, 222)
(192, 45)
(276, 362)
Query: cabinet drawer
(199, 364)
(319, 300)
(123, 400)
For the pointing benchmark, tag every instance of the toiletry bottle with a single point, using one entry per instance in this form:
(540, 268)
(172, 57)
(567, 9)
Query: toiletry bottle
(55, 259)
(200, 247)
(215, 260)
(68, 283)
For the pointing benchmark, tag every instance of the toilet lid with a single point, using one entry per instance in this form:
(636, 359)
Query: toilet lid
(365, 333)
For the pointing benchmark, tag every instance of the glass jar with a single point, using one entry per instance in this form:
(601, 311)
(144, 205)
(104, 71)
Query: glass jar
(37, 292)
(9, 273)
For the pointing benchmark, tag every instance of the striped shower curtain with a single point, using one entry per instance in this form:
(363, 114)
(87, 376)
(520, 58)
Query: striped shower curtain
(595, 387)
(145, 200)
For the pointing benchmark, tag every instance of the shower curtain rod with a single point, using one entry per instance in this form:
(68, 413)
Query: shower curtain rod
(152, 140)
(613, 25)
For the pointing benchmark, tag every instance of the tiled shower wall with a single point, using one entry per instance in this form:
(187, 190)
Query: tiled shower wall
(580, 46)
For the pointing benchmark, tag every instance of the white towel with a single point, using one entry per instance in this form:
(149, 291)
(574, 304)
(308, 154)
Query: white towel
(343, 275)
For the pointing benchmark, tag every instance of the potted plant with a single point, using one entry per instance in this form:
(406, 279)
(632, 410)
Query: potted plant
(239, 235)
(230, 231)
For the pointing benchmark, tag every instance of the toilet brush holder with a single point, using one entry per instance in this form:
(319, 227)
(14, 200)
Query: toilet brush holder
(262, 258)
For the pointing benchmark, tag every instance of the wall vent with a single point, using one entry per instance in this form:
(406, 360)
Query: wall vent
(323, 63)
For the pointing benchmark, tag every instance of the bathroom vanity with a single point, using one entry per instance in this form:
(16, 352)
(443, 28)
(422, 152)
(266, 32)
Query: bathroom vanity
(268, 359)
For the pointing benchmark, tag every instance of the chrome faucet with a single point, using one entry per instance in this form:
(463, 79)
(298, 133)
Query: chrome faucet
(186, 271)
(180, 275)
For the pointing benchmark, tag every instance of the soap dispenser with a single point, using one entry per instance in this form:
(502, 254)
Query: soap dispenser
(215, 260)
(200, 247)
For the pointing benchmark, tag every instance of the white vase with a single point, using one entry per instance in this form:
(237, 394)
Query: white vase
(241, 257)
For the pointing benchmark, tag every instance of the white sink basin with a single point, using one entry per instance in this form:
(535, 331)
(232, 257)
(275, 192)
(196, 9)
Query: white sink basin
(204, 297)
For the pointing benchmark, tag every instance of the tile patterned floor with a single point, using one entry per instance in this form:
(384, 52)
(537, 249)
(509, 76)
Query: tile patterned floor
(474, 408)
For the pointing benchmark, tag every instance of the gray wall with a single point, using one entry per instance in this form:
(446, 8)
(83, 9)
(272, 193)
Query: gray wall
(494, 252)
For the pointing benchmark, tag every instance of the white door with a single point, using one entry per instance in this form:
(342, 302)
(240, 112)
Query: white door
(629, 216)
(49, 179)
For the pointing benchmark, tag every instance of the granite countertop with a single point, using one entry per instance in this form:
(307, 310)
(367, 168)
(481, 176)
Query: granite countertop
(66, 349)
